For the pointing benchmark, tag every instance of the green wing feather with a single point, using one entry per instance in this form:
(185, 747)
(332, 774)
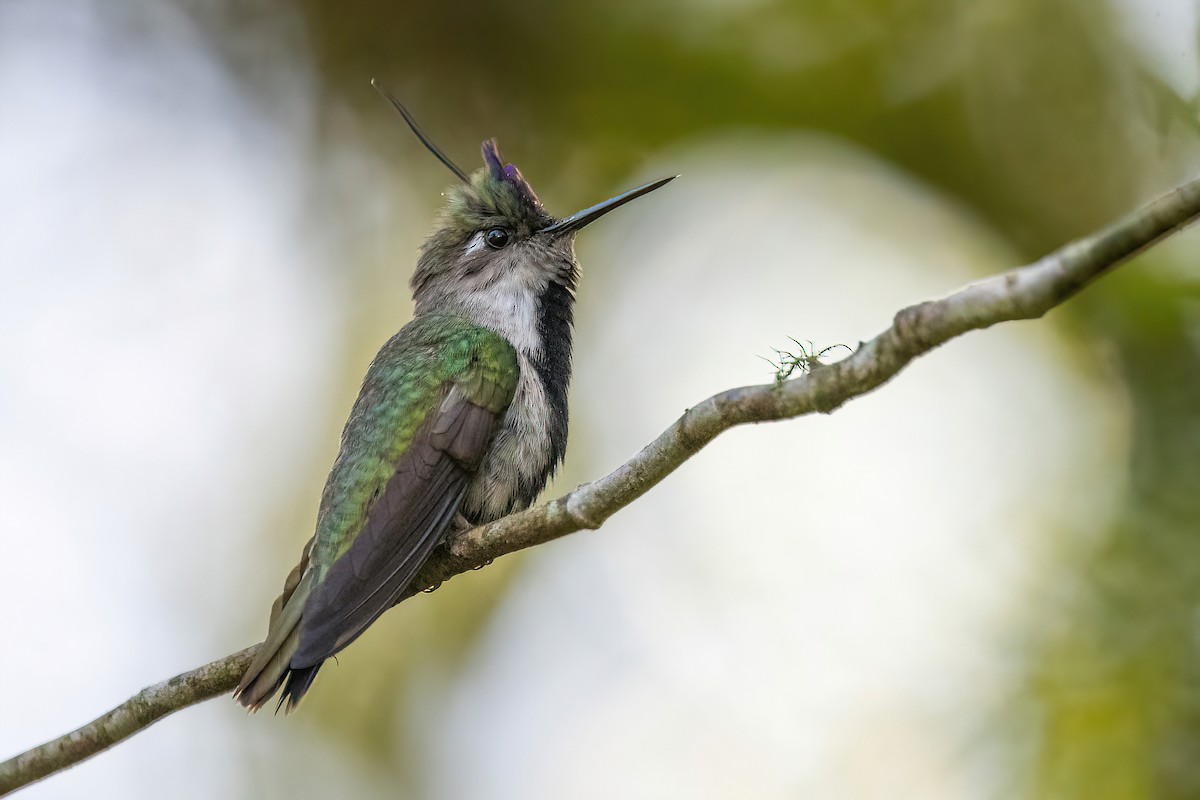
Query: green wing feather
(428, 409)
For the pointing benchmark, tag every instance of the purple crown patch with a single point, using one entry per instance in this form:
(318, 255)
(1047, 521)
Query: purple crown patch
(508, 173)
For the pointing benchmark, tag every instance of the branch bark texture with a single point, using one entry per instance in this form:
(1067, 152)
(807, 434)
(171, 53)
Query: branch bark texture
(1024, 293)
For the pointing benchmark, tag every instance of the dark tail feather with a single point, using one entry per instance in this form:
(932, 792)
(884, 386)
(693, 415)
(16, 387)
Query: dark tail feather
(296, 684)
(271, 668)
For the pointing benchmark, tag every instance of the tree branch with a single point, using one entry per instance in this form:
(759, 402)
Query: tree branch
(1024, 293)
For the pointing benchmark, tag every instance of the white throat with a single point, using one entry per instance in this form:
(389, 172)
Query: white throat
(509, 306)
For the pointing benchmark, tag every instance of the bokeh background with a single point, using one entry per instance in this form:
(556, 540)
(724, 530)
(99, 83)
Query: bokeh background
(981, 581)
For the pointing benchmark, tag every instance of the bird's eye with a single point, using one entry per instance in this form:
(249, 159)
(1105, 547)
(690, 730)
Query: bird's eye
(496, 238)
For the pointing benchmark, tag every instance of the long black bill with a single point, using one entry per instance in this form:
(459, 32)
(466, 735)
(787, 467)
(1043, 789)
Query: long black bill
(588, 215)
(412, 123)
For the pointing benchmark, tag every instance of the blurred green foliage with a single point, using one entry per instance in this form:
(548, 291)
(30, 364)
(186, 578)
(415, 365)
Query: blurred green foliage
(1119, 686)
(1035, 114)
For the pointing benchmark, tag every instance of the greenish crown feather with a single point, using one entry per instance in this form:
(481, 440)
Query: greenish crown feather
(497, 196)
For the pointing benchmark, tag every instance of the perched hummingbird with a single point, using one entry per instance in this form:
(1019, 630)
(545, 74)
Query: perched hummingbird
(461, 419)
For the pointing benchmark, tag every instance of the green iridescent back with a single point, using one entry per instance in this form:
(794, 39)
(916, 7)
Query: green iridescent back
(403, 386)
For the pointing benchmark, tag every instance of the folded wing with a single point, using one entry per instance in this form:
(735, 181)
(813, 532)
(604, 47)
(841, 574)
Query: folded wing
(404, 523)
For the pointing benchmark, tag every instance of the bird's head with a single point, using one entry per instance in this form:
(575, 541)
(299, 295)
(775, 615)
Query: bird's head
(494, 237)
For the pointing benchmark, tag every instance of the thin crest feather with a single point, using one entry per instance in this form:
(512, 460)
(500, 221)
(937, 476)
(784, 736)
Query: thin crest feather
(416, 129)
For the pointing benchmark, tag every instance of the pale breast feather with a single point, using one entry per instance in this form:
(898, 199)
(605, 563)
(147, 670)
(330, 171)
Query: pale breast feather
(511, 475)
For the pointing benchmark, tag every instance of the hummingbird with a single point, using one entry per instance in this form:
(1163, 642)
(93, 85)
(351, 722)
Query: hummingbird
(461, 418)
